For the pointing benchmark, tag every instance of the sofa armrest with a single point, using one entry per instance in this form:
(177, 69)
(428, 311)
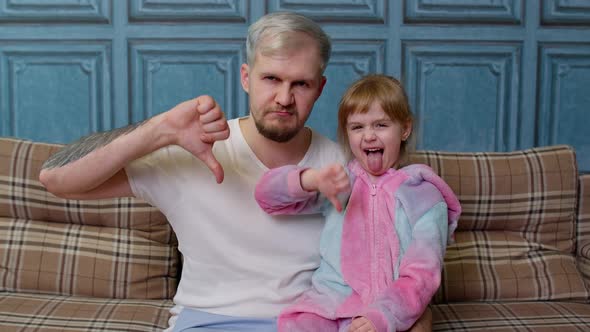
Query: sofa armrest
(583, 230)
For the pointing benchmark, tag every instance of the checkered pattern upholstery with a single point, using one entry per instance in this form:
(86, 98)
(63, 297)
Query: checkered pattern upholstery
(112, 265)
(511, 316)
(583, 250)
(516, 236)
(51, 313)
(120, 248)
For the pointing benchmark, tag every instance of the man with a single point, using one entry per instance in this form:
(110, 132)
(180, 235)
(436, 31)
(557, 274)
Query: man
(241, 266)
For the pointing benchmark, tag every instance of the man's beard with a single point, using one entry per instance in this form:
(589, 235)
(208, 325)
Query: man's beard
(279, 135)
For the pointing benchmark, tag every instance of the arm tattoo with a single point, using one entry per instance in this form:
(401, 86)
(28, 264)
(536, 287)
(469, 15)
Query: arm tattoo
(85, 145)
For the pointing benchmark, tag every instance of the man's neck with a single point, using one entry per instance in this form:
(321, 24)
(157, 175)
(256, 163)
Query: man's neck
(274, 154)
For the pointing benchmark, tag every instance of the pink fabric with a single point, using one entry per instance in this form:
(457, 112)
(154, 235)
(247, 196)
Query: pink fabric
(370, 247)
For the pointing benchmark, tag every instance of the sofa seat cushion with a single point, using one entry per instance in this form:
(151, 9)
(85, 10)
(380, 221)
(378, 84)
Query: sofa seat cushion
(500, 265)
(34, 312)
(79, 260)
(511, 316)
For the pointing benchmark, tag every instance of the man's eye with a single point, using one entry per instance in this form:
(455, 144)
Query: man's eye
(270, 78)
(303, 84)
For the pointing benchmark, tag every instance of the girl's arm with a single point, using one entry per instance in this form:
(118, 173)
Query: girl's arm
(294, 190)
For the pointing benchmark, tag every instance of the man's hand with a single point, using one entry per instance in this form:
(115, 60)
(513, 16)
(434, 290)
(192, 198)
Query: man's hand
(361, 324)
(196, 124)
(330, 181)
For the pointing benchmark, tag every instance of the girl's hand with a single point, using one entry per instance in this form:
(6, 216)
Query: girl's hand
(361, 324)
(331, 181)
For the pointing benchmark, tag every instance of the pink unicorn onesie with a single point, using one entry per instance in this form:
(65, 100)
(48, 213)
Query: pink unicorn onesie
(381, 258)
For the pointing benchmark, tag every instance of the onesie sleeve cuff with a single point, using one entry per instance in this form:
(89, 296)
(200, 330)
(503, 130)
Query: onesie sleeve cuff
(294, 184)
(377, 319)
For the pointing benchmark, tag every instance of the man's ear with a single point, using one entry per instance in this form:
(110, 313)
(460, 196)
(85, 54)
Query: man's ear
(322, 84)
(244, 77)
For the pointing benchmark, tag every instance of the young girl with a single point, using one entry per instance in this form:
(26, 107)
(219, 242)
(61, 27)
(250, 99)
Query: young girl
(381, 259)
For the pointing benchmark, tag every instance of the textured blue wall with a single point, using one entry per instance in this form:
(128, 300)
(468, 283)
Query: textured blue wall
(482, 75)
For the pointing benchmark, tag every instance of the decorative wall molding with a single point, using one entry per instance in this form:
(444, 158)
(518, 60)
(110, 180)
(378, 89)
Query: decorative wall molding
(565, 12)
(361, 11)
(194, 11)
(166, 72)
(67, 85)
(43, 11)
(464, 83)
(563, 97)
(464, 11)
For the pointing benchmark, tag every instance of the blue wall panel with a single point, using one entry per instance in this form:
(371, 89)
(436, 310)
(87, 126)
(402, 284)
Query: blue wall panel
(565, 97)
(191, 11)
(51, 11)
(165, 73)
(350, 61)
(564, 12)
(367, 11)
(464, 11)
(464, 94)
(482, 75)
(55, 91)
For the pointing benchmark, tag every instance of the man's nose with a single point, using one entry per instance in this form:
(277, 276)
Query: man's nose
(284, 95)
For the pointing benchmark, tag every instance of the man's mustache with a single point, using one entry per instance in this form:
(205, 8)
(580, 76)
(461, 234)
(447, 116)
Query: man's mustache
(290, 110)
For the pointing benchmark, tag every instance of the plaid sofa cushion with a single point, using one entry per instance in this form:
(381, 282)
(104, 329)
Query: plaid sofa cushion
(118, 248)
(33, 312)
(583, 252)
(511, 316)
(516, 235)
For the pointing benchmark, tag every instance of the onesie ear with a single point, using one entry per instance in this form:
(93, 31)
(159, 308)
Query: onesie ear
(245, 76)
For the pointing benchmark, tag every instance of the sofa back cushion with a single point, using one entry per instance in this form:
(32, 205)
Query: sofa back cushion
(516, 235)
(116, 248)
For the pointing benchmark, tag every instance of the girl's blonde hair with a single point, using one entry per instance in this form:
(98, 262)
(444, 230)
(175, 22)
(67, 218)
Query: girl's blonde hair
(359, 97)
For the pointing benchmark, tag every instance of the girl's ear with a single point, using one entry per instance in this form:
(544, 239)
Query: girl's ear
(407, 130)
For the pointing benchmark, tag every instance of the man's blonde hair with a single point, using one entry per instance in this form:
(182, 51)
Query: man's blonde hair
(276, 32)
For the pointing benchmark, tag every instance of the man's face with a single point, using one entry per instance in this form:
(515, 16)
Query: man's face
(283, 88)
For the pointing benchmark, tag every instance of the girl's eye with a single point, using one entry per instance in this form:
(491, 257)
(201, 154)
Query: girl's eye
(355, 127)
(382, 125)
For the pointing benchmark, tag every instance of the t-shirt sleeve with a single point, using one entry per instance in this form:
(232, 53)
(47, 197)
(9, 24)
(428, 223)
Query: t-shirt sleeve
(139, 173)
(153, 177)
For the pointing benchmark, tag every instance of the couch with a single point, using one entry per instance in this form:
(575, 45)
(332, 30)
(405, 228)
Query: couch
(520, 260)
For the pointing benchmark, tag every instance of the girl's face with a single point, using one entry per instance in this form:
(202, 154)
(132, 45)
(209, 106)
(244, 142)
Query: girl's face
(375, 139)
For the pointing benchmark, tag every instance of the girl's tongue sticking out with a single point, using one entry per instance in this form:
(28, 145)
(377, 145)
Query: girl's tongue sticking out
(374, 160)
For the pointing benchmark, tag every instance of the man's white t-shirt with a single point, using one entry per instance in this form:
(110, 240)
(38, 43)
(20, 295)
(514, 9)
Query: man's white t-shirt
(238, 261)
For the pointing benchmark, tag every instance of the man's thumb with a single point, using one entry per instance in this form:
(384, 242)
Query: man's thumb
(209, 159)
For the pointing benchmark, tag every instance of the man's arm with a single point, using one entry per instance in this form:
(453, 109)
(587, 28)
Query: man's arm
(94, 166)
